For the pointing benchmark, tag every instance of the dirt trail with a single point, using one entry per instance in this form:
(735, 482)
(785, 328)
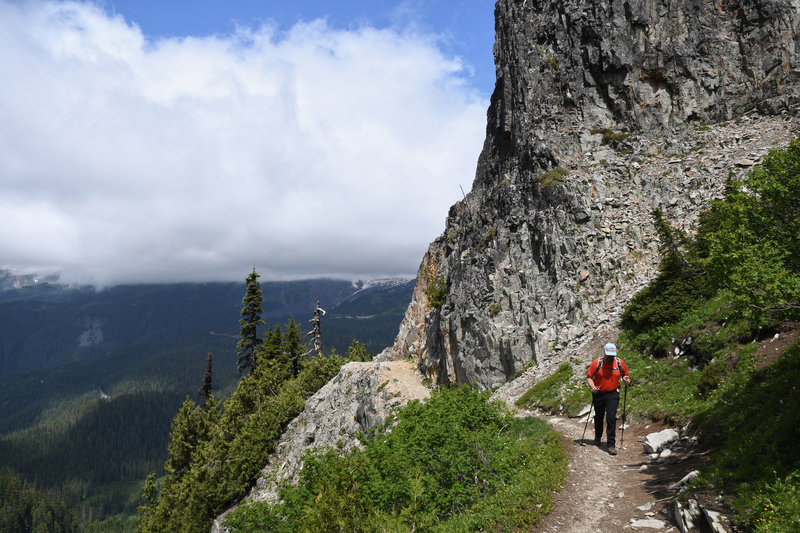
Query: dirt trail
(602, 494)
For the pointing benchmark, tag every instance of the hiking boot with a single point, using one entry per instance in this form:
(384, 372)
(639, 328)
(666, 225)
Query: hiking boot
(612, 450)
(597, 442)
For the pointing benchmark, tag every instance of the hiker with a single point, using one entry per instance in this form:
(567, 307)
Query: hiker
(603, 378)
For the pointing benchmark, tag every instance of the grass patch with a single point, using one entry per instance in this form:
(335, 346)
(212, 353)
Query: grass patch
(616, 140)
(557, 393)
(554, 176)
(661, 389)
(755, 420)
(775, 508)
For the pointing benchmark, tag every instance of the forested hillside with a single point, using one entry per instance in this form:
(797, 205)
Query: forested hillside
(90, 422)
(23, 507)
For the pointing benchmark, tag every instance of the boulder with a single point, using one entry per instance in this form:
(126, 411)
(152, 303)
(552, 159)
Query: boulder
(687, 517)
(657, 442)
(713, 519)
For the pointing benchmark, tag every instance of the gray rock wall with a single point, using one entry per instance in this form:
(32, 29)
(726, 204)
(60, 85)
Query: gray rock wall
(610, 94)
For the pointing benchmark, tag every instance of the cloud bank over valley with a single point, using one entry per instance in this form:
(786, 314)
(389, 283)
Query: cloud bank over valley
(311, 151)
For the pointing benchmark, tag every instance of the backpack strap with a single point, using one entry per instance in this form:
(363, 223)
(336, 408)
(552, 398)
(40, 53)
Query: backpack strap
(600, 365)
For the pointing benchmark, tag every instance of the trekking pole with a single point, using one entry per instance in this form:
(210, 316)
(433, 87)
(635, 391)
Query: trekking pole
(588, 416)
(624, 406)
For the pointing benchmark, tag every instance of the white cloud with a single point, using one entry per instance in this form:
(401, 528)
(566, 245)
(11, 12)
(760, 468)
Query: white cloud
(308, 152)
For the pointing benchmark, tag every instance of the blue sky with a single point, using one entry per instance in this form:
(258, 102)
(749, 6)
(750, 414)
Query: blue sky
(146, 141)
(465, 27)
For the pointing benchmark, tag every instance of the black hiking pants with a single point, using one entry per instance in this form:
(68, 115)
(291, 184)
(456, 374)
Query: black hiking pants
(605, 406)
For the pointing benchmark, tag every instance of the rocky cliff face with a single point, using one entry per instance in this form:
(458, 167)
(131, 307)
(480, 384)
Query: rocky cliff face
(601, 112)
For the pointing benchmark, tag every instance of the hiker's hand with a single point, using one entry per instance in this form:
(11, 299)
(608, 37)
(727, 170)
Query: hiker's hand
(627, 380)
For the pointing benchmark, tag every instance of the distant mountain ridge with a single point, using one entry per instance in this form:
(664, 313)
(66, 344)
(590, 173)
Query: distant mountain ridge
(58, 343)
(43, 323)
(10, 280)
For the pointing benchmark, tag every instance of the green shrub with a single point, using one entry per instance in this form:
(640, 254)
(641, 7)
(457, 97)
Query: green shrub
(751, 240)
(458, 459)
(554, 176)
(490, 236)
(521, 503)
(437, 292)
(611, 138)
(710, 377)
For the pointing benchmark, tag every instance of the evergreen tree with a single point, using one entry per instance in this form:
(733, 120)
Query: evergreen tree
(149, 495)
(272, 367)
(357, 352)
(682, 282)
(272, 350)
(293, 347)
(251, 318)
(220, 452)
(24, 509)
(186, 434)
(205, 388)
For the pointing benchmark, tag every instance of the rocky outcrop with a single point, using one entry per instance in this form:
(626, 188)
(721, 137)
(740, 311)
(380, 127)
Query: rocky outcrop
(602, 111)
(360, 397)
